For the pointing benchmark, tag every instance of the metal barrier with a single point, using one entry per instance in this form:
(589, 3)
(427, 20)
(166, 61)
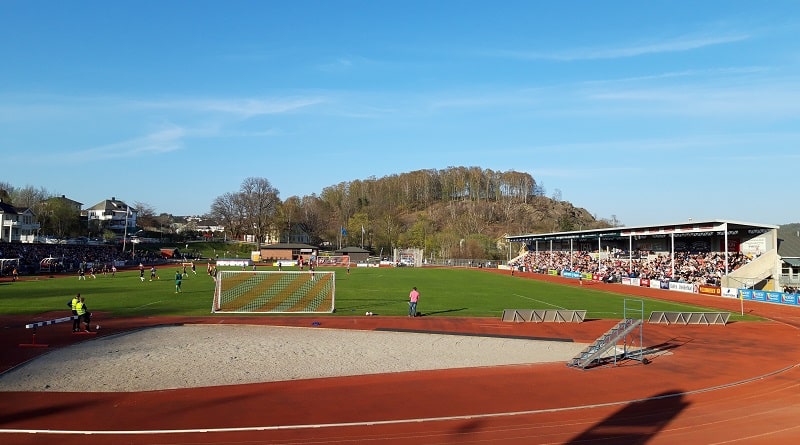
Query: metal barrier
(40, 324)
(686, 318)
(544, 315)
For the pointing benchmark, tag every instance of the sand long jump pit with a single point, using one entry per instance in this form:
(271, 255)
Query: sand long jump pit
(200, 355)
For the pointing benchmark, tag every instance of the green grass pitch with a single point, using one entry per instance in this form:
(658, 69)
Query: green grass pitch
(384, 291)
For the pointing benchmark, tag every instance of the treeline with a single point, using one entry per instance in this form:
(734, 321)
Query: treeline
(458, 212)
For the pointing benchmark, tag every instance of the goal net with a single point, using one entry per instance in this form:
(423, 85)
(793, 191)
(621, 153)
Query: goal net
(7, 265)
(246, 292)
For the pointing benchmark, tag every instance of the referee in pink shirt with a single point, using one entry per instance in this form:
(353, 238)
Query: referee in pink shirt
(413, 298)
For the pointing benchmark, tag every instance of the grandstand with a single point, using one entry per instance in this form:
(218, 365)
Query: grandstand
(718, 257)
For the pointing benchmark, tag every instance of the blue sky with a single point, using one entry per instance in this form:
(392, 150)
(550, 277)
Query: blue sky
(653, 112)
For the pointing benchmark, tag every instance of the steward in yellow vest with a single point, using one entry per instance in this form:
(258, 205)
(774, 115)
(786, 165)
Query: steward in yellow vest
(73, 305)
(83, 312)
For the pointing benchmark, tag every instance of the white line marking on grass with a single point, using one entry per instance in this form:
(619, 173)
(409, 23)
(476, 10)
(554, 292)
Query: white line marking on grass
(148, 304)
(540, 301)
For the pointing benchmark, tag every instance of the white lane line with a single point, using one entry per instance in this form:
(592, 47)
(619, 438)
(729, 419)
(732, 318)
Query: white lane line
(404, 421)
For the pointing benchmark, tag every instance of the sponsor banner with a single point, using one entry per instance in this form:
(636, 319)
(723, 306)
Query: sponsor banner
(664, 284)
(731, 292)
(709, 290)
(681, 287)
(790, 299)
(753, 247)
(655, 284)
(552, 272)
(770, 297)
(626, 280)
(774, 297)
(234, 262)
(568, 274)
(644, 282)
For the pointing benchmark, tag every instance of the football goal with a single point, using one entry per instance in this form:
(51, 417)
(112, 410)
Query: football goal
(247, 292)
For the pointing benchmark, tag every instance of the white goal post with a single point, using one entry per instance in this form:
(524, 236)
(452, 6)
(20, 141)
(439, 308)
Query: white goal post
(7, 265)
(273, 292)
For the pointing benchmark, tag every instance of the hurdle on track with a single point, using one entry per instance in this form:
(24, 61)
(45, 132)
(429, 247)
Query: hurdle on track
(40, 324)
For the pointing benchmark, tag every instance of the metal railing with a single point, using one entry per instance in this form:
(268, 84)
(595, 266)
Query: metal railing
(461, 262)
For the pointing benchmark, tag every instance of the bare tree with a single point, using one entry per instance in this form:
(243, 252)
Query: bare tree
(227, 209)
(29, 197)
(6, 190)
(260, 201)
(145, 215)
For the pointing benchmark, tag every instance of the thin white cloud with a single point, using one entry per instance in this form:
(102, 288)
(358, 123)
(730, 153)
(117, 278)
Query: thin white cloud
(162, 141)
(245, 108)
(678, 44)
(730, 71)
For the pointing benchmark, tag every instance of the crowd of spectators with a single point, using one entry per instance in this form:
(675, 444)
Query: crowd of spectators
(69, 257)
(689, 267)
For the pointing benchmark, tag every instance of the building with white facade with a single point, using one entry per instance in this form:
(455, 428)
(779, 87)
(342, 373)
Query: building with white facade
(17, 224)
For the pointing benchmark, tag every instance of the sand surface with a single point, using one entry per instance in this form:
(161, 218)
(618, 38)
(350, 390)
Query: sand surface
(191, 356)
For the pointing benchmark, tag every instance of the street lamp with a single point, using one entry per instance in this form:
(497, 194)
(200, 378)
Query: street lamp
(135, 241)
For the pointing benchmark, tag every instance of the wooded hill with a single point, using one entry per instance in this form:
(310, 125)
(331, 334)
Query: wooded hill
(458, 212)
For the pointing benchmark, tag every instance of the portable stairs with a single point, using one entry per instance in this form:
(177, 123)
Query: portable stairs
(632, 319)
(605, 343)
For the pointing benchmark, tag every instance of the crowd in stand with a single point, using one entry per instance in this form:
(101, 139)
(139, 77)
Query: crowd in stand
(68, 257)
(696, 268)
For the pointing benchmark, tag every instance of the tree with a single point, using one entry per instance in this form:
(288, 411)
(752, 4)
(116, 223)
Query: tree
(28, 197)
(260, 201)
(145, 215)
(6, 190)
(251, 211)
(226, 209)
(57, 217)
(287, 214)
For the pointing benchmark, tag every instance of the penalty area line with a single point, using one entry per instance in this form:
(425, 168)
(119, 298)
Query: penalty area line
(540, 301)
(148, 304)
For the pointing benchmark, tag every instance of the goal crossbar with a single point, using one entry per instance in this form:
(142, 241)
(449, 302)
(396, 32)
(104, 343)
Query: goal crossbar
(275, 292)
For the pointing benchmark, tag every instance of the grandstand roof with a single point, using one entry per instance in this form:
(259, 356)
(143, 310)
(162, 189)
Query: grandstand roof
(688, 227)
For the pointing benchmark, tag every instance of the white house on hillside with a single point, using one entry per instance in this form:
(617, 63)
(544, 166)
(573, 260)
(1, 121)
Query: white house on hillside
(117, 213)
(17, 224)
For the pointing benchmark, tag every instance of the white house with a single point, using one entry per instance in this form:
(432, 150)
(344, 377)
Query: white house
(113, 214)
(17, 224)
